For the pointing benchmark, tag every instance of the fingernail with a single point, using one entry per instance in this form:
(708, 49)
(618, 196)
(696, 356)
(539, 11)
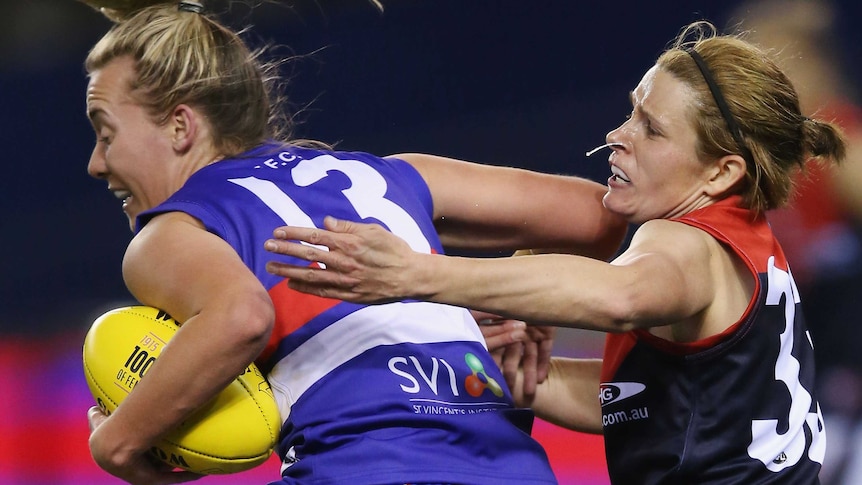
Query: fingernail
(269, 245)
(519, 325)
(279, 234)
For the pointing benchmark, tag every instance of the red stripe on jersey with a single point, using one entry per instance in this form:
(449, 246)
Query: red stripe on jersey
(728, 222)
(689, 348)
(292, 310)
(617, 347)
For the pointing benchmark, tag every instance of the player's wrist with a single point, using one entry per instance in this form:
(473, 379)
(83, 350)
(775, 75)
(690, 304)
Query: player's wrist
(422, 280)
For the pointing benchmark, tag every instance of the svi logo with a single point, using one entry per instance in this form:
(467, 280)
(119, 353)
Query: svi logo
(440, 370)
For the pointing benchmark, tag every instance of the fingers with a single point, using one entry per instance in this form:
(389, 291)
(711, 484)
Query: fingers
(303, 273)
(95, 417)
(545, 347)
(307, 252)
(306, 275)
(308, 243)
(500, 335)
(529, 359)
(338, 225)
(504, 341)
(497, 355)
(485, 318)
(314, 274)
(322, 288)
(329, 248)
(511, 364)
(313, 235)
(522, 352)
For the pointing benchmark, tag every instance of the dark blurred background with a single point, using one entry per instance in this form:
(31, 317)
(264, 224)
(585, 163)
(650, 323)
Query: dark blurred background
(525, 83)
(532, 83)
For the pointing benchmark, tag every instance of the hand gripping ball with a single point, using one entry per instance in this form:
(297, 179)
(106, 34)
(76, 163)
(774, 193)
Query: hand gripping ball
(236, 431)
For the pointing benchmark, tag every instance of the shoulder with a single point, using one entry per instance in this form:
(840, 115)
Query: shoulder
(161, 231)
(173, 257)
(671, 236)
(671, 246)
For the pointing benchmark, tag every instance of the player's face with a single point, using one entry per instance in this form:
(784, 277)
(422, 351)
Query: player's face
(132, 151)
(655, 171)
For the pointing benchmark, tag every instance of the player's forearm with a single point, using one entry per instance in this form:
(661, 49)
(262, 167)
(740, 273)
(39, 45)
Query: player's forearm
(560, 290)
(569, 397)
(485, 207)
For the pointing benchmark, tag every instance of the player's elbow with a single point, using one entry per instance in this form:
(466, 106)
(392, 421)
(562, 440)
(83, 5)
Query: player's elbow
(255, 319)
(113, 453)
(626, 311)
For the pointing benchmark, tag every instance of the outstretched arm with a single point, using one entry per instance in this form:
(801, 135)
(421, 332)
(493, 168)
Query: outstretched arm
(486, 207)
(665, 277)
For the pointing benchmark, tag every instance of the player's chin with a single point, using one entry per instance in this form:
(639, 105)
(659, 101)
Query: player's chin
(617, 203)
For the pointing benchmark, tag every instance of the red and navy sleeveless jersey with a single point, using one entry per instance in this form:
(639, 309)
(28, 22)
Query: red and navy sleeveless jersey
(735, 408)
(395, 393)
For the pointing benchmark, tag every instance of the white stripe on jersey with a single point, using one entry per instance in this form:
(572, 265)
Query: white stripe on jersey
(364, 329)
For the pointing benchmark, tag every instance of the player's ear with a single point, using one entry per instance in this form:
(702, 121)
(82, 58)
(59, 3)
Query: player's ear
(184, 127)
(725, 175)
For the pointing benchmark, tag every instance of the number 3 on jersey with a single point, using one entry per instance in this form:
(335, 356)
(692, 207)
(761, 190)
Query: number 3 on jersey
(781, 450)
(366, 195)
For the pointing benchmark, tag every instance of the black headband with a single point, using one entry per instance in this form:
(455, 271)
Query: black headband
(191, 6)
(732, 125)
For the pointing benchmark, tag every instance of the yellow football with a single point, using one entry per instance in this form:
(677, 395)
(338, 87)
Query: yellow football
(236, 431)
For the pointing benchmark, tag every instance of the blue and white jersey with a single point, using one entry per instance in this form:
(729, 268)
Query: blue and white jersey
(395, 393)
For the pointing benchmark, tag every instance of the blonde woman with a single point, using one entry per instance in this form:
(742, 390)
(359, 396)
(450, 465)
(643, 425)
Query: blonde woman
(708, 370)
(388, 394)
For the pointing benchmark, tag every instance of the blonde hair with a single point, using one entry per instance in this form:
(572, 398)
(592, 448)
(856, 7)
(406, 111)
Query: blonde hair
(762, 102)
(119, 10)
(184, 57)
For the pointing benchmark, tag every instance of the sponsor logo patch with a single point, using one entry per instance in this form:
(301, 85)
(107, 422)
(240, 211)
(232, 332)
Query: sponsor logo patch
(611, 392)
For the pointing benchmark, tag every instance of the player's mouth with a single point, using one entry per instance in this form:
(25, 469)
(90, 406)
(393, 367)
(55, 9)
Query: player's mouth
(618, 175)
(123, 195)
